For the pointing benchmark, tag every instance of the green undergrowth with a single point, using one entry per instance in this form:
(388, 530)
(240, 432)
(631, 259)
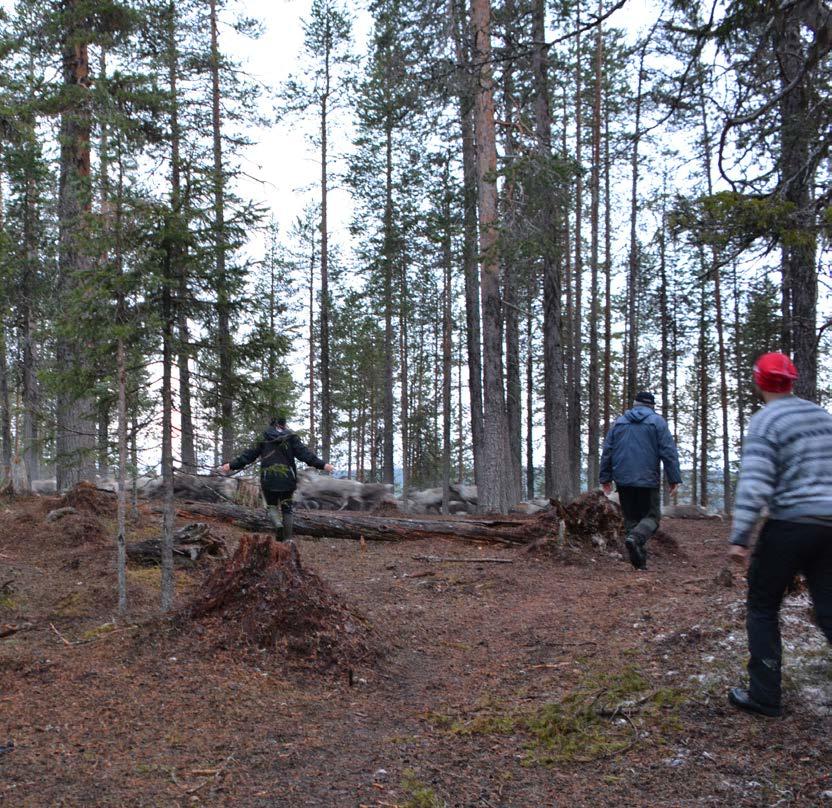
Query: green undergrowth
(417, 794)
(605, 715)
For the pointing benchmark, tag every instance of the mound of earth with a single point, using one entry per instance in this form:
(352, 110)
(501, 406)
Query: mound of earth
(263, 598)
(86, 498)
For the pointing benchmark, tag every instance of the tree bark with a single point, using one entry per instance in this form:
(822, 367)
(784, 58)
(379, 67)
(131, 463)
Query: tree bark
(495, 488)
(633, 276)
(575, 393)
(607, 271)
(593, 416)
(5, 408)
(387, 472)
(797, 134)
(326, 394)
(720, 322)
(187, 449)
(224, 345)
(558, 481)
(510, 530)
(465, 90)
(75, 438)
(447, 342)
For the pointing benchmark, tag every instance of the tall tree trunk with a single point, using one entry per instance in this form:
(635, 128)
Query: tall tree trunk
(326, 395)
(530, 297)
(447, 344)
(607, 271)
(75, 438)
(469, 232)
(121, 407)
(495, 489)
(575, 404)
(312, 357)
(387, 474)
(224, 346)
(720, 323)
(558, 480)
(739, 371)
(407, 454)
(187, 448)
(594, 417)
(167, 443)
(799, 268)
(5, 409)
(633, 275)
(511, 266)
(704, 376)
(31, 453)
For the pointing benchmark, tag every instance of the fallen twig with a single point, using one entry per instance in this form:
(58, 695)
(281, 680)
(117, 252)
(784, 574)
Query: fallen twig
(215, 776)
(454, 560)
(64, 639)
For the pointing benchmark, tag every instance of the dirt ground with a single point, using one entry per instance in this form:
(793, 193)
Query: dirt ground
(563, 678)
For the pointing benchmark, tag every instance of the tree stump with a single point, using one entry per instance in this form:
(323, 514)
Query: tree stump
(265, 599)
(591, 518)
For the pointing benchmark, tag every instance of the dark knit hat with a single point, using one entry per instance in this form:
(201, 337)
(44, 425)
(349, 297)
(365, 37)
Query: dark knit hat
(644, 397)
(279, 419)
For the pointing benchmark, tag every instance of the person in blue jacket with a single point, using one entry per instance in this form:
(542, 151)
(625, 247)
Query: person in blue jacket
(638, 440)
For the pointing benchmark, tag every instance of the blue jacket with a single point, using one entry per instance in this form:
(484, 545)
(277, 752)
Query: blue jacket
(633, 447)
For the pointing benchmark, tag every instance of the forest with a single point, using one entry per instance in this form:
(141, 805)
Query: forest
(547, 213)
(512, 218)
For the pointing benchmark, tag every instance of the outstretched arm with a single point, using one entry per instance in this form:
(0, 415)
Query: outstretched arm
(244, 459)
(304, 453)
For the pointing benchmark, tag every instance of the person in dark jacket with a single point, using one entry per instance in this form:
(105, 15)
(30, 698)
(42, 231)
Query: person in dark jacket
(278, 450)
(638, 440)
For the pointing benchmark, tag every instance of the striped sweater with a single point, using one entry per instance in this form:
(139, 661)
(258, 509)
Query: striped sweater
(786, 465)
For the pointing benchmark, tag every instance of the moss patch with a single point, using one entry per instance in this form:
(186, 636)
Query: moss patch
(602, 717)
(417, 794)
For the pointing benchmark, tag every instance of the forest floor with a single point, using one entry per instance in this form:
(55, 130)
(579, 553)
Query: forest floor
(564, 678)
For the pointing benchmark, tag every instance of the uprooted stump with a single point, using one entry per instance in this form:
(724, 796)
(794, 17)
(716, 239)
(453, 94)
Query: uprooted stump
(265, 599)
(190, 544)
(86, 498)
(591, 518)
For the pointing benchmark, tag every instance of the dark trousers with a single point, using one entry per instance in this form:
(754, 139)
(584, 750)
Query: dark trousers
(642, 510)
(281, 499)
(783, 549)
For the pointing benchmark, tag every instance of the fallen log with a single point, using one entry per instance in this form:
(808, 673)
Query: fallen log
(510, 530)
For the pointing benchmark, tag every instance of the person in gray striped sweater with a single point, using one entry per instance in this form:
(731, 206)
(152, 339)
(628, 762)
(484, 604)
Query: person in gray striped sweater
(786, 467)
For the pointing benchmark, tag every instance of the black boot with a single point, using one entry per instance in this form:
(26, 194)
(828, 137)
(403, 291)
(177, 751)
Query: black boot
(741, 699)
(288, 524)
(635, 549)
(277, 519)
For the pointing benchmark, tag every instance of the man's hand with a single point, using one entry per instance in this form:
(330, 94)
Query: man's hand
(225, 468)
(739, 555)
(606, 488)
(674, 487)
(329, 468)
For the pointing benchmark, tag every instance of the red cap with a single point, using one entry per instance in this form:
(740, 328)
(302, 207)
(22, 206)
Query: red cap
(774, 373)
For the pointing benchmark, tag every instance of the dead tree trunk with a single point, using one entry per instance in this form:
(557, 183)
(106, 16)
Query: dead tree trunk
(510, 530)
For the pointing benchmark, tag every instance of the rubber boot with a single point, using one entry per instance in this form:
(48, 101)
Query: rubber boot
(276, 517)
(288, 524)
